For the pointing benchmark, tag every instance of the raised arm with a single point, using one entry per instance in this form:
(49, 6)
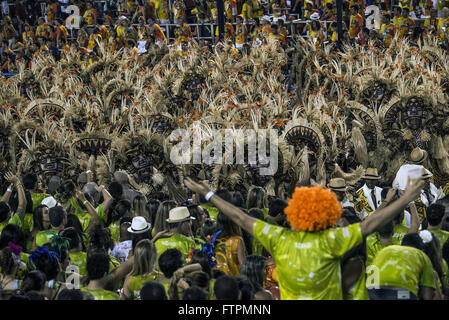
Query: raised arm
(384, 215)
(234, 213)
(414, 224)
(90, 208)
(15, 181)
(107, 202)
(7, 193)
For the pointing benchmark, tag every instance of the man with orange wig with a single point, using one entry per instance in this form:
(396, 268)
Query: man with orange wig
(308, 257)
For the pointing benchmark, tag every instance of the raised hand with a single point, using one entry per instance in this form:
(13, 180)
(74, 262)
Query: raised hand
(196, 187)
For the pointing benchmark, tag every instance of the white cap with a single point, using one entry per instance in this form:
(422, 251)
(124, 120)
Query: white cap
(50, 202)
(314, 16)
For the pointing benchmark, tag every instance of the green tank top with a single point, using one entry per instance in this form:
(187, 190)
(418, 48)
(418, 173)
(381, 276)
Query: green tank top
(42, 237)
(136, 283)
(102, 294)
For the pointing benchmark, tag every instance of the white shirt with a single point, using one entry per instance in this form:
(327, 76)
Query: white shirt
(121, 251)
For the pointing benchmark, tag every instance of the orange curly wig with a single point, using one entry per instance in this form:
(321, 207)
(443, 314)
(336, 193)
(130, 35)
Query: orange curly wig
(313, 209)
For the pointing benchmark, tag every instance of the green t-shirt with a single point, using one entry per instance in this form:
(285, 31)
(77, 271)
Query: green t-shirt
(102, 294)
(404, 267)
(308, 263)
(399, 233)
(213, 212)
(136, 283)
(37, 198)
(42, 237)
(441, 235)
(373, 246)
(176, 241)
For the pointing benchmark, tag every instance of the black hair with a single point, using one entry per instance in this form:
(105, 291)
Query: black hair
(245, 288)
(4, 211)
(116, 190)
(276, 207)
(413, 240)
(97, 264)
(33, 281)
(445, 251)
(170, 261)
(194, 293)
(217, 273)
(435, 214)
(38, 217)
(434, 252)
(152, 206)
(136, 237)
(70, 294)
(350, 215)
(14, 201)
(57, 215)
(73, 237)
(100, 238)
(386, 230)
(252, 269)
(256, 213)
(201, 280)
(153, 290)
(201, 258)
(226, 288)
(34, 295)
(12, 233)
(74, 222)
(228, 226)
(209, 228)
(29, 181)
(237, 199)
(117, 211)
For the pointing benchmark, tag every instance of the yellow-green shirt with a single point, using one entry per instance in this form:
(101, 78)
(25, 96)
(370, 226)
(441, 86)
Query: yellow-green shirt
(373, 246)
(43, 237)
(441, 235)
(15, 219)
(213, 212)
(136, 283)
(37, 198)
(404, 267)
(399, 233)
(102, 294)
(176, 241)
(308, 263)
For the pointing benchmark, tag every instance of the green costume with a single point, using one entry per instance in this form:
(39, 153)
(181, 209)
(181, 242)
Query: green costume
(373, 246)
(213, 212)
(136, 283)
(37, 198)
(400, 231)
(43, 237)
(404, 267)
(441, 235)
(308, 263)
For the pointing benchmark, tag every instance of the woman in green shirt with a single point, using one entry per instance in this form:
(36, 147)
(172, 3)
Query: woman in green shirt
(143, 270)
(308, 257)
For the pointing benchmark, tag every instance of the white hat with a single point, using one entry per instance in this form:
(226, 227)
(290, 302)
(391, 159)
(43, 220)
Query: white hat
(139, 225)
(179, 214)
(314, 16)
(50, 202)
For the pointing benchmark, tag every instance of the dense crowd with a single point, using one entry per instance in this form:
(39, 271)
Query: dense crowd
(31, 28)
(95, 205)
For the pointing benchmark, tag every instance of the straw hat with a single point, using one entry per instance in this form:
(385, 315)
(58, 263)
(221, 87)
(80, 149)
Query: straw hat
(371, 174)
(179, 214)
(337, 184)
(418, 155)
(139, 225)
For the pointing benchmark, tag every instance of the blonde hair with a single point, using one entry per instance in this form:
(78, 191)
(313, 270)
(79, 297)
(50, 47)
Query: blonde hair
(140, 207)
(145, 255)
(160, 222)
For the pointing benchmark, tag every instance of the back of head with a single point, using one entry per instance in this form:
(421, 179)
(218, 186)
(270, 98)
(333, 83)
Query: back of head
(228, 226)
(201, 280)
(12, 233)
(224, 194)
(97, 264)
(237, 199)
(194, 293)
(73, 237)
(66, 190)
(33, 281)
(226, 288)
(170, 261)
(435, 213)
(162, 215)
(350, 215)
(152, 207)
(256, 213)
(91, 189)
(57, 215)
(46, 261)
(38, 217)
(70, 294)
(252, 269)
(7, 263)
(153, 290)
(100, 238)
(209, 228)
(276, 207)
(256, 198)
(413, 240)
(246, 288)
(140, 207)
(29, 181)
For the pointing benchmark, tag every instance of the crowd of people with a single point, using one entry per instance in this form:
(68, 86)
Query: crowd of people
(95, 205)
(31, 28)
